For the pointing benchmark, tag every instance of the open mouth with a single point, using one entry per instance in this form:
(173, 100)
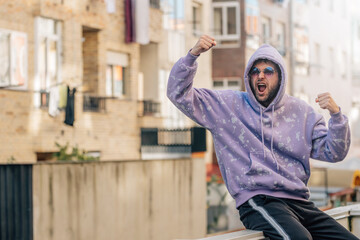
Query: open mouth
(261, 87)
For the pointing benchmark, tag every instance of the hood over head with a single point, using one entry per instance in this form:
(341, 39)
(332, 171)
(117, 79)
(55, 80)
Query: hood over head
(270, 53)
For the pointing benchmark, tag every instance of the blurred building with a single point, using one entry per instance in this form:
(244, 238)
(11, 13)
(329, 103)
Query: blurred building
(228, 57)
(323, 45)
(51, 45)
(355, 76)
(117, 55)
(113, 56)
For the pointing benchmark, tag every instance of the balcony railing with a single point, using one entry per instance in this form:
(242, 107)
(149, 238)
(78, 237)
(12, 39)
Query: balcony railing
(172, 143)
(155, 4)
(94, 104)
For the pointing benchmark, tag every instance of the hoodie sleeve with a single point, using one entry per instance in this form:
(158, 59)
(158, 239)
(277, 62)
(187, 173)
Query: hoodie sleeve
(195, 103)
(331, 145)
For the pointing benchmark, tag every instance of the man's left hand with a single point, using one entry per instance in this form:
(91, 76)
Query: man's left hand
(327, 102)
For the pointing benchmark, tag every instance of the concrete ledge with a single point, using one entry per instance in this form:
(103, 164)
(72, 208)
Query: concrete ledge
(239, 235)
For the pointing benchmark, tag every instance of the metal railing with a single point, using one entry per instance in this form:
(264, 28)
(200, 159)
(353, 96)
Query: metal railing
(155, 4)
(94, 104)
(173, 143)
(151, 107)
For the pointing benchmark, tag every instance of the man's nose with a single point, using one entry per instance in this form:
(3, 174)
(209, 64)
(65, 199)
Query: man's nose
(261, 75)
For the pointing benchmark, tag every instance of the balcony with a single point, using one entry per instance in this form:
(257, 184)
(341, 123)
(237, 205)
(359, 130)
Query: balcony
(148, 108)
(94, 104)
(155, 4)
(171, 143)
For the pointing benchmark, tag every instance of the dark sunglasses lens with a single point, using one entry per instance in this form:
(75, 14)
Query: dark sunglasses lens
(269, 71)
(255, 71)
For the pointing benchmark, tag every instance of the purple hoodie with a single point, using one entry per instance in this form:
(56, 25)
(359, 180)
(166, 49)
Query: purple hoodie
(260, 150)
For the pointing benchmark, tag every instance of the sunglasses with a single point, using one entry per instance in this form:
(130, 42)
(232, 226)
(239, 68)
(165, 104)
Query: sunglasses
(268, 72)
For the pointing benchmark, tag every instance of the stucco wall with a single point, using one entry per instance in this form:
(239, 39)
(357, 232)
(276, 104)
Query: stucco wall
(159, 200)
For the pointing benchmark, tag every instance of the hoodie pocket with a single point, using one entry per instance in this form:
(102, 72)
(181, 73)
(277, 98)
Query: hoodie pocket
(262, 172)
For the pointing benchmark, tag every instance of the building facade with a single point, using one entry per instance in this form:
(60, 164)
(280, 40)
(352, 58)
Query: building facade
(55, 44)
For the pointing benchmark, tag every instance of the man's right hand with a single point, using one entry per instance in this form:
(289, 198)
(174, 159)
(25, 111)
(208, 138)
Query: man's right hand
(205, 43)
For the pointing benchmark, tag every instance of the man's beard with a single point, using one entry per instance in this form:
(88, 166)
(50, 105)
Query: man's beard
(272, 95)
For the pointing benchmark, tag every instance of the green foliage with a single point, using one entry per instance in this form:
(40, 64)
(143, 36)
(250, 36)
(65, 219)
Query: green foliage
(75, 155)
(11, 159)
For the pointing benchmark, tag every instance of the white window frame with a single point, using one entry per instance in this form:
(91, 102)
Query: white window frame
(280, 30)
(12, 60)
(226, 85)
(224, 6)
(39, 38)
(267, 22)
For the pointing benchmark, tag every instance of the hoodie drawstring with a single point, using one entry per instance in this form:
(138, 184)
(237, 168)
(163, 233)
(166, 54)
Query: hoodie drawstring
(272, 135)
(272, 138)
(262, 131)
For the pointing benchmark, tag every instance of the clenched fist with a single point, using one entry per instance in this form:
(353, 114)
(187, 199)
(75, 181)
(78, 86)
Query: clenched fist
(205, 43)
(327, 102)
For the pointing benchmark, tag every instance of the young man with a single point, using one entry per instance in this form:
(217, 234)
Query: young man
(263, 140)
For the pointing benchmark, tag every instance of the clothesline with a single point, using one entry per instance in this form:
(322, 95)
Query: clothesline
(61, 83)
(41, 90)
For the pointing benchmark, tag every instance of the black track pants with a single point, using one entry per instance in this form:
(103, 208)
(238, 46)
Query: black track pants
(287, 219)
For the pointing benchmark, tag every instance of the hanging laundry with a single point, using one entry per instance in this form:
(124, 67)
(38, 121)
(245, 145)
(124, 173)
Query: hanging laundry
(129, 22)
(70, 107)
(137, 24)
(142, 16)
(63, 96)
(54, 101)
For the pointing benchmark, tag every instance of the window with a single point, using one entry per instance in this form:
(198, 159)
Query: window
(155, 3)
(116, 74)
(251, 24)
(48, 55)
(332, 62)
(13, 59)
(355, 53)
(280, 38)
(174, 14)
(226, 22)
(344, 8)
(196, 17)
(176, 45)
(317, 3)
(110, 6)
(301, 42)
(266, 29)
(233, 84)
(343, 65)
(331, 5)
(317, 57)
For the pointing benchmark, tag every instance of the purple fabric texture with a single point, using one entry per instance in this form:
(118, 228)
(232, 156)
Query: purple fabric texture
(260, 150)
